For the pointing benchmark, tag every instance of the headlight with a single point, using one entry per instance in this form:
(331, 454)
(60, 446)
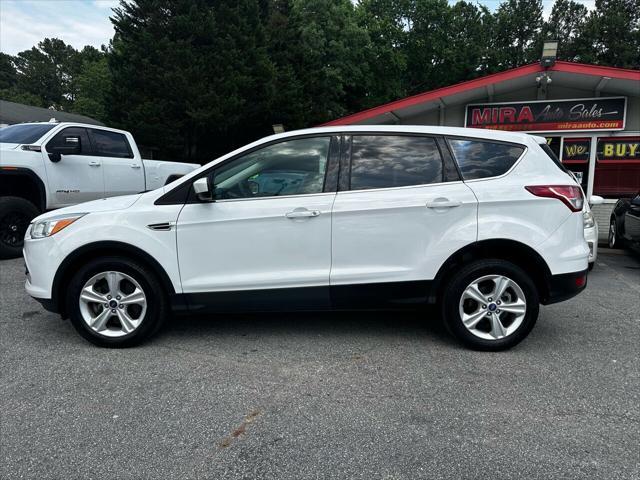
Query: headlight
(50, 226)
(587, 220)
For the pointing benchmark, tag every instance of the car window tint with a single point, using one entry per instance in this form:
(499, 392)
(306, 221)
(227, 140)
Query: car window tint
(24, 133)
(480, 159)
(58, 139)
(294, 167)
(111, 144)
(383, 161)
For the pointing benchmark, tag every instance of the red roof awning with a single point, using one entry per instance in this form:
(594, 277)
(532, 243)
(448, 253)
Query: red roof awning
(629, 85)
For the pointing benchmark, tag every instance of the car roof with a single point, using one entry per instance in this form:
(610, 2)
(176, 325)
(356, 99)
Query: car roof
(499, 135)
(73, 124)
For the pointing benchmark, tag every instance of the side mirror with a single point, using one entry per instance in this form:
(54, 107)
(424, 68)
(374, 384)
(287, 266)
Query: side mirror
(202, 190)
(71, 145)
(596, 200)
(636, 201)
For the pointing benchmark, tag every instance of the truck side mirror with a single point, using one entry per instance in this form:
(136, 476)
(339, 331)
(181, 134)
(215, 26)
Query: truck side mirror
(71, 145)
(202, 190)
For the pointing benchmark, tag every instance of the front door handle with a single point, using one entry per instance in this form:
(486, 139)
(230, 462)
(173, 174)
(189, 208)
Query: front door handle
(134, 165)
(94, 164)
(443, 203)
(303, 213)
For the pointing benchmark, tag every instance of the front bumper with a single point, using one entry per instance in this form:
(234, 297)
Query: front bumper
(565, 286)
(42, 258)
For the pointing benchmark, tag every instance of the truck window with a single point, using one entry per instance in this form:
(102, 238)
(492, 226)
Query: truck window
(58, 140)
(110, 144)
(26, 133)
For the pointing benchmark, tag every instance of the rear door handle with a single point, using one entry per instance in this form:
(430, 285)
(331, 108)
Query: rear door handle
(134, 165)
(443, 203)
(94, 164)
(302, 213)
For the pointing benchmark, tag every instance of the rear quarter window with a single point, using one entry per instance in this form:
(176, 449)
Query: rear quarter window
(484, 159)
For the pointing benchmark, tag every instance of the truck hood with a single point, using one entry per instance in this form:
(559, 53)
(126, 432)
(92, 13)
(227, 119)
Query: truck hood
(102, 205)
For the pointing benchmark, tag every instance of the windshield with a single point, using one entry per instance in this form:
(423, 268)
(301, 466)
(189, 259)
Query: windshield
(25, 133)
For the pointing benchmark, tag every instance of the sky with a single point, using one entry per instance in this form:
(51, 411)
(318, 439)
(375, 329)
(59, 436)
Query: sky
(23, 23)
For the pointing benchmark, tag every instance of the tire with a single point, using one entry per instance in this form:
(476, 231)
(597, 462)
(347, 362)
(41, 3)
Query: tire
(119, 325)
(15, 215)
(485, 334)
(591, 265)
(613, 239)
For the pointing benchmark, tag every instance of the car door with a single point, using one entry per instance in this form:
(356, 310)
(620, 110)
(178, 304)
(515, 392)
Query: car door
(123, 172)
(73, 178)
(267, 236)
(400, 212)
(632, 220)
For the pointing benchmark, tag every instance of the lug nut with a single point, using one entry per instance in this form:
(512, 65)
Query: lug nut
(113, 310)
(483, 306)
(121, 306)
(488, 314)
(498, 302)
(498, 311)
(108, 297)
(490, 299)
(117, 297)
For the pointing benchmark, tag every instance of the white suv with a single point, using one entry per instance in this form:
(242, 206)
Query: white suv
(486, 224)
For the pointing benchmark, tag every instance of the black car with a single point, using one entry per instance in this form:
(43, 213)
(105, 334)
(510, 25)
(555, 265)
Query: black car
(624, 226)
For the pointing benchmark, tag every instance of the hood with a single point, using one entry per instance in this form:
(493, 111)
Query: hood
(102, 205)
(9, 146)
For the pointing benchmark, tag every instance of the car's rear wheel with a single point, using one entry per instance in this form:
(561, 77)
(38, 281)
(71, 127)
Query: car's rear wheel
(15, 215)
(116, 302)
(490, 305)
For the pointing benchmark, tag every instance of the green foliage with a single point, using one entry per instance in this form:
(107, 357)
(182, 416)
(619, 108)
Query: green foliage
(196, 78)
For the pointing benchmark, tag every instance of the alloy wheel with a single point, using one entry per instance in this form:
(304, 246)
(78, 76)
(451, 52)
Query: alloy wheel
(492, 307)
(612, 234)
(13, 227)
(112, 304)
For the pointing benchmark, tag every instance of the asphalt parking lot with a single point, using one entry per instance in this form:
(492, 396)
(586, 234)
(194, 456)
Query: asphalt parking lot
(366, 395)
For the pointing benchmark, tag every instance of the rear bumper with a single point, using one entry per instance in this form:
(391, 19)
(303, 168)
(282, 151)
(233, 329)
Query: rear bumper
(564, 286)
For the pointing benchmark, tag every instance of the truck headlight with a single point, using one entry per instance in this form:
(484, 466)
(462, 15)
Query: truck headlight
(51, 226)
(587, 220)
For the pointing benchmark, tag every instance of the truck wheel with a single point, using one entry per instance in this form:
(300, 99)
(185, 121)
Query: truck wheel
(490, 305)
(116, 302)
(15, 215)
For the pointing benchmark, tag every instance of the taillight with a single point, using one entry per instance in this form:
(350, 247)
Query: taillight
(570, 195)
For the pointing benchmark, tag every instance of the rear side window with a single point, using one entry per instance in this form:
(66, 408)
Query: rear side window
(480, 159)
(384, 161)
(110, 144)
(58, 139)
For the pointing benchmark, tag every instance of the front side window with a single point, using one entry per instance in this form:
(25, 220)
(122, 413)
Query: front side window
(294, 167)
(481, 159)
(111, 144)
(386, 161)
(58, 139)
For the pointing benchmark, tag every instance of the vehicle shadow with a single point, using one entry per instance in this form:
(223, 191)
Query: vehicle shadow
(380, 324)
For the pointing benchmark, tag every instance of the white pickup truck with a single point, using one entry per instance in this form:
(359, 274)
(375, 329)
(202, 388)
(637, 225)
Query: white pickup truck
(51, 165)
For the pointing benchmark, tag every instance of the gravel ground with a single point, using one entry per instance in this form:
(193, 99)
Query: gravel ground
(366, 395)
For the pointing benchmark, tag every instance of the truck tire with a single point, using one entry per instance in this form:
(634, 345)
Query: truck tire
(15, 215)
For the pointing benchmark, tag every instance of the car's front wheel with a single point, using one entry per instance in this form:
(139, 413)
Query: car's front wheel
(116, 302)
(613, 239)
(490, 305)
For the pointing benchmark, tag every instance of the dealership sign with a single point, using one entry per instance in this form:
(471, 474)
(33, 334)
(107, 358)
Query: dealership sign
(619, 150)
(552, 115)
